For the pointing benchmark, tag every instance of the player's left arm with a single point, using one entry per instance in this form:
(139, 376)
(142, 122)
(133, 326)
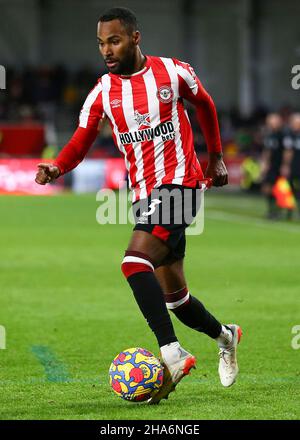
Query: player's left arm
(90, 120)
(190, 88)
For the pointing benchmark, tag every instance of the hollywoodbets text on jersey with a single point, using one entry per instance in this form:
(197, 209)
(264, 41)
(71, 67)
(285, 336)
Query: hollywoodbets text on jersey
(165, 130)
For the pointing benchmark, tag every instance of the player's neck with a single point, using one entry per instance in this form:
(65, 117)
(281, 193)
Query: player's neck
(139, 63)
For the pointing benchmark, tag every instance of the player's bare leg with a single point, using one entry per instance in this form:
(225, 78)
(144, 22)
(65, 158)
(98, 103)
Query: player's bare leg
(192, 313)
(171, 276)
(145, 252)
(149, 244)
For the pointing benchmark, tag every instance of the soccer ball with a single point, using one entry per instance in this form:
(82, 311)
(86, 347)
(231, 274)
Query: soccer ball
(135, 374)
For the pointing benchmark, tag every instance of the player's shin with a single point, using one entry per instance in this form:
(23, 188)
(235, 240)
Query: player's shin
(191, 312)
(177, 362)
(139, 272)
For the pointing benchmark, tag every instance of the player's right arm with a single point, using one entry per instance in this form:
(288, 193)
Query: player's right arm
(75, 150)
(191, 88)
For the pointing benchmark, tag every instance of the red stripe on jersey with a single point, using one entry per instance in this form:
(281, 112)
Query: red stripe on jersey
(162, 77)
(115, 138)
(193, 170)
(205, 108)
(115, 93)
(93, 119)
(92, 109)
(140, 104)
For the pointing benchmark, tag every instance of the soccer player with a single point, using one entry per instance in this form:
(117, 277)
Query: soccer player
(272, 160)
(142, 97)
(291, 156)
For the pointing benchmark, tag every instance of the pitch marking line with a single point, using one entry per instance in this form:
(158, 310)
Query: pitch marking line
(252, 221)
(55, 370)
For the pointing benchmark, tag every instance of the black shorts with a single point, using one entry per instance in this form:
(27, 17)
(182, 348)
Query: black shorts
(166, 213)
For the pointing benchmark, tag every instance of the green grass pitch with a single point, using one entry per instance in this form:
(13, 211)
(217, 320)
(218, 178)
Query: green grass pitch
(68, 311)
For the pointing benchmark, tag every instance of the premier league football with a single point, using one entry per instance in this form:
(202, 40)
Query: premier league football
(135, 374)
(150, 199)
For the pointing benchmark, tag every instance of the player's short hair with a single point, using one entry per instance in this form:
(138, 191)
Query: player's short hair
(124, 15)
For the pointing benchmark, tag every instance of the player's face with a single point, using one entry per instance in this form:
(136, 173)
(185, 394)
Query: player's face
(274, 122)
(295, 122)
(117, 47)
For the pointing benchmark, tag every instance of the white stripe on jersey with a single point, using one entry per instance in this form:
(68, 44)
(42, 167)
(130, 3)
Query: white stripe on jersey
(107, 109)
(85, 111)
(128, 110)
(153, 107)
(188, 78)
(180, 168)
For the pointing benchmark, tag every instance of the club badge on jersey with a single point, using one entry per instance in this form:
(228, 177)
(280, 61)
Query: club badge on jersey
(165, 94)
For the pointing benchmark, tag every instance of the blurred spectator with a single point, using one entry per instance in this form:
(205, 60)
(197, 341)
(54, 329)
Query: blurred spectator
(54, 96)
(272, 160)
(291, 163)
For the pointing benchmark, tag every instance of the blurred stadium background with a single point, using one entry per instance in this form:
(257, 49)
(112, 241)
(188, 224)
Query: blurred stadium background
(242, 50)
(64, 304)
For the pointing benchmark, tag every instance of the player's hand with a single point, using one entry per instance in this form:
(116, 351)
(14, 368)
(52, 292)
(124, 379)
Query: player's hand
(46, 173)
(216, 170)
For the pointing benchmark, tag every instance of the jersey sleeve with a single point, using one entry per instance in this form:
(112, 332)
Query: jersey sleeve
(191, 89)
(90, 117)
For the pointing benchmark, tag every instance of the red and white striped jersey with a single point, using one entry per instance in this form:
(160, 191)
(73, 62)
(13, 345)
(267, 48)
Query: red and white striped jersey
(149, 123)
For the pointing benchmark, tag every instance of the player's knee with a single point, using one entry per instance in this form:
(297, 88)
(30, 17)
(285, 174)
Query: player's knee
(135, 262)
(177, 299)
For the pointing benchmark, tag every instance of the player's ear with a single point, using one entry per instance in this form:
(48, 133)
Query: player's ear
(137, 37)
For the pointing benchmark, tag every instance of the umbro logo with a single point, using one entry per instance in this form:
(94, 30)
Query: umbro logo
(142, 119)
(115, 103)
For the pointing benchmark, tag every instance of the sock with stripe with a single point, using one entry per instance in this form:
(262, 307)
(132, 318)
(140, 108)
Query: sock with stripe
(139, 272)
(191, 312)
